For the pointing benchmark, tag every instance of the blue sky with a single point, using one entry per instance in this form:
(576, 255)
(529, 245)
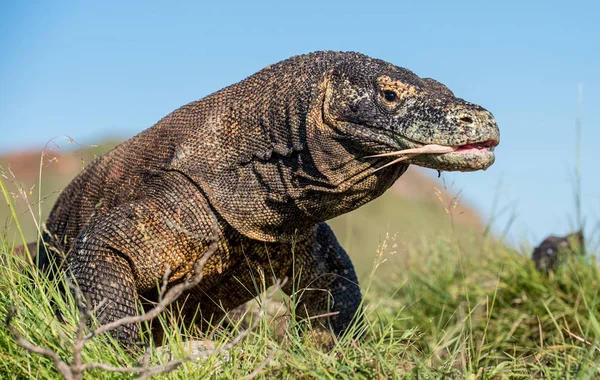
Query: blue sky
(95, 69)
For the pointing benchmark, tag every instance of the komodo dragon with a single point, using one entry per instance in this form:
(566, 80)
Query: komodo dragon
(268, 160)
(554, 250)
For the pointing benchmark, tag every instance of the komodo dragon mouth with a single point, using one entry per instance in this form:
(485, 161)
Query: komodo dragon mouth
(474, 152)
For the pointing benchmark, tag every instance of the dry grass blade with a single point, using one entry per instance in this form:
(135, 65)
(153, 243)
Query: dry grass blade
(574, 336)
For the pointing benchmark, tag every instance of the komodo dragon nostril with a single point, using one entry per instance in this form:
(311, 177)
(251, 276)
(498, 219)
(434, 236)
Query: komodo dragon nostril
(466, 119)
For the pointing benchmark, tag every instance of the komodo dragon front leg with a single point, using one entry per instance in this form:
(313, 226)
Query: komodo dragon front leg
(325, 283)
(125, 251)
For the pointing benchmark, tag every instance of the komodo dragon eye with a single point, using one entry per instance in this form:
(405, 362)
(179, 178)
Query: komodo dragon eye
(390, 96)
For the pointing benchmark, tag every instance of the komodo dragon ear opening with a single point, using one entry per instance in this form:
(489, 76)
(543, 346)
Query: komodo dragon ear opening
(348, 98)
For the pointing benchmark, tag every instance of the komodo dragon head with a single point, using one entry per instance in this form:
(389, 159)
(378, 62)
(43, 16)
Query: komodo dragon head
(384, 108)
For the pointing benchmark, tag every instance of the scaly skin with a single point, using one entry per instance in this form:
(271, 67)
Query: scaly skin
(270, 159)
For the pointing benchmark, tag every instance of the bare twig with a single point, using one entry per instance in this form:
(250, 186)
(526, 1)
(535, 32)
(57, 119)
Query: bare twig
(145, 363)
(165, 282)
(63, 368)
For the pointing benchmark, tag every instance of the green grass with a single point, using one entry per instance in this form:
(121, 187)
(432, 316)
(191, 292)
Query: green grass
(441, 308)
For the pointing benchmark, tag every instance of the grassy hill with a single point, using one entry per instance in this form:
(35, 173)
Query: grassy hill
(441, 300)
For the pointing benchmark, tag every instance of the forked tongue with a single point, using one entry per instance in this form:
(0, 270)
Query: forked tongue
(409, 153)
(431, 148)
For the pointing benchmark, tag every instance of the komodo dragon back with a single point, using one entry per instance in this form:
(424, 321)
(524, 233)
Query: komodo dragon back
(269, 159)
